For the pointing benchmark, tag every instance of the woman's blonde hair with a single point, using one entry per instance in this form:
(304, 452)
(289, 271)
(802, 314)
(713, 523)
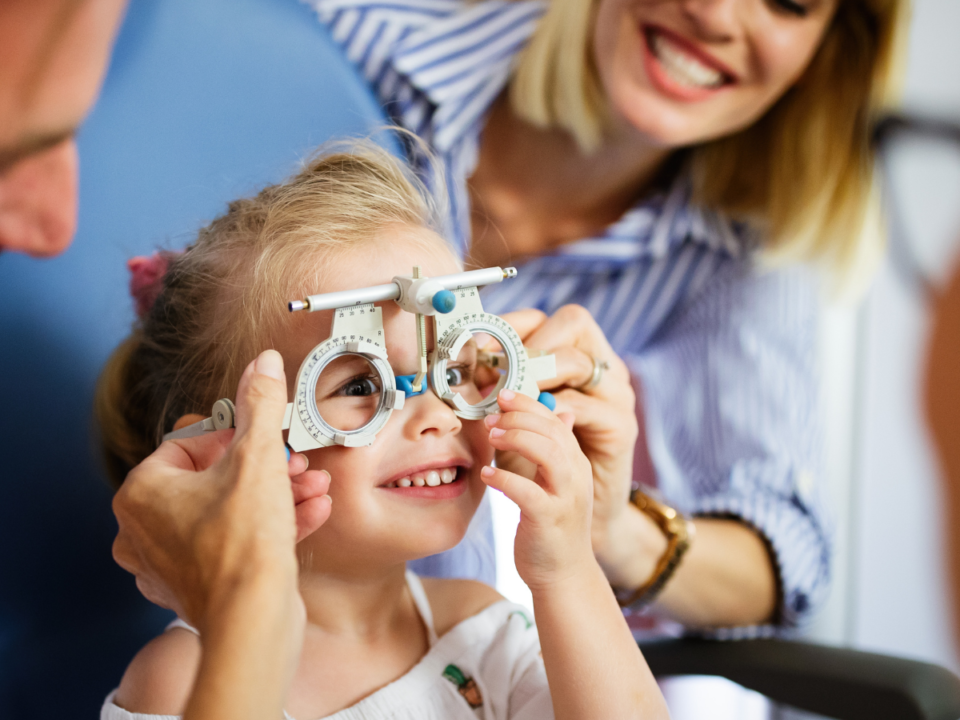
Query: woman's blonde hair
(223, 300)
(802, 173)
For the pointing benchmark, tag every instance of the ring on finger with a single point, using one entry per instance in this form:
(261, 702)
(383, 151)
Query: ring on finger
(596, 375)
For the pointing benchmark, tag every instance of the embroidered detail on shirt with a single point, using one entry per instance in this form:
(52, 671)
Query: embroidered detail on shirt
(523, 615)
(467, 686)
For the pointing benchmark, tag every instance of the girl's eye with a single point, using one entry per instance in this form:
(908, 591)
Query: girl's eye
(455, 376)
(359, 387)
(792, 7)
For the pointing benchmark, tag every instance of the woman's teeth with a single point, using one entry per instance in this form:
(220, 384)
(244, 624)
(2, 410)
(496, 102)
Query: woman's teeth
(430, 478)
(681, 67)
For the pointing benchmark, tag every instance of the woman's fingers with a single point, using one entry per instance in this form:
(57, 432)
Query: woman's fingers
(576, 341)
(525, 322)
(574, 370)
(525, 493)
(595, 413)
(571, 325)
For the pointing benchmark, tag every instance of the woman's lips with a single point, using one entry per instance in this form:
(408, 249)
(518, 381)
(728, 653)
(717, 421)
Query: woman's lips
(680, 71)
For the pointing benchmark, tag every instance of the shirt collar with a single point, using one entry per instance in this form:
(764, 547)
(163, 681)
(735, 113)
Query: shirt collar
(657, 224)
(463, 61)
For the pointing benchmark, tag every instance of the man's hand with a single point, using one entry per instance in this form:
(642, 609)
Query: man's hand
(203, 517)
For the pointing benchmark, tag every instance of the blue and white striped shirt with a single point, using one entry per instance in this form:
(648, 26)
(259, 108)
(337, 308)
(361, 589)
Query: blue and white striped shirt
(725, 353)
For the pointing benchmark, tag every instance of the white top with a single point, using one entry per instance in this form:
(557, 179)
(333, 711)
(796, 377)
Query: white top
(488, 667)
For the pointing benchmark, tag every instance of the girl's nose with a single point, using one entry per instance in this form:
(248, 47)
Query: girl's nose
(427, 415)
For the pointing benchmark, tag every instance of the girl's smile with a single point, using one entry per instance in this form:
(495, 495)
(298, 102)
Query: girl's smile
(430, 477)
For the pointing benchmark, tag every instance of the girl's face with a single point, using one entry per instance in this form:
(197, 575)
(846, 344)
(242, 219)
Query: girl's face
(683, 72)
(374, 522)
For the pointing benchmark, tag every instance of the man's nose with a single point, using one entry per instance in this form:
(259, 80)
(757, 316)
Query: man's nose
(38, 202)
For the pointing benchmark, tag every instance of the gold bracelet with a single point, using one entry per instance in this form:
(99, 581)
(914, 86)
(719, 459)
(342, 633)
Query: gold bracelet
(679, 530)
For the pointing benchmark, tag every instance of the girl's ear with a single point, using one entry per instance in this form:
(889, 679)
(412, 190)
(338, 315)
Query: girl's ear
(188, 420)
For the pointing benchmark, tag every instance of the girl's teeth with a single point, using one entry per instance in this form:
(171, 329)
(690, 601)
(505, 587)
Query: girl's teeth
(431, 478)
(682, 67)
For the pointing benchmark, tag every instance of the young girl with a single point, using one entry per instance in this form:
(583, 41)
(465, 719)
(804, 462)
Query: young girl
(380, 643)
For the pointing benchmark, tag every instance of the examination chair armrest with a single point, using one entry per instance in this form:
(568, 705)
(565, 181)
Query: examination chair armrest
(835, 682)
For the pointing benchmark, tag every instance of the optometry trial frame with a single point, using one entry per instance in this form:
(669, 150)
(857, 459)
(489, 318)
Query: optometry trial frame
(453, 302)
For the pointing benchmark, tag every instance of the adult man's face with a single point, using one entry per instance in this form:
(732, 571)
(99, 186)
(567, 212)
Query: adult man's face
(53, 56)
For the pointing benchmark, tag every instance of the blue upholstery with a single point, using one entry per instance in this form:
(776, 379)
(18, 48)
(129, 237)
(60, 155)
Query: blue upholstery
(205, 101)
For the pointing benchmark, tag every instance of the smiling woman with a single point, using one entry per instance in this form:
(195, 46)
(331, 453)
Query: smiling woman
(646, 159)
(775, 97)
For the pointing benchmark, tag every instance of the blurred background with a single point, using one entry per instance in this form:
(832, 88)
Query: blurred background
(890, 586)
(208, 101)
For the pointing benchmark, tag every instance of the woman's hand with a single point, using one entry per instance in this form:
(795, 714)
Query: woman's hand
(553, 538)
(605, 415)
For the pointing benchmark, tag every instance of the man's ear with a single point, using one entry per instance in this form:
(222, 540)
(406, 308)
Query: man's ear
(188, 420)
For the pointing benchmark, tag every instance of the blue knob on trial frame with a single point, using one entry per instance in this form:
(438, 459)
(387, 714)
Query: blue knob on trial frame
(547, 400)
(405, 383)
(444, 301)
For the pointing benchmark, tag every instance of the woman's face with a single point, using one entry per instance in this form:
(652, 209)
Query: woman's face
(685, 71)
(374, 519)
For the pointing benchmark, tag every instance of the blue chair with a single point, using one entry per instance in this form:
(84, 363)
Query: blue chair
(204, 102)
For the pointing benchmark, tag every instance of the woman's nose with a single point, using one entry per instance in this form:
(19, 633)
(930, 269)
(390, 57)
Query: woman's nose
(714, 20)
(429, 415)
(38, 202)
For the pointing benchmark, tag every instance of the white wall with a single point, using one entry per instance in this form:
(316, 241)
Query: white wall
(890, 594)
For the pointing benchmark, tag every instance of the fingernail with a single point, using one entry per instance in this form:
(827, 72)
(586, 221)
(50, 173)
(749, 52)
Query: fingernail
(270, 363)
(306, 460)
(507, 395)
(486, 471)
(496, 432)
(330, 499)
(491, 420)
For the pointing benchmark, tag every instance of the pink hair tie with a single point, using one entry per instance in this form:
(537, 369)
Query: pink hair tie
(146, 279)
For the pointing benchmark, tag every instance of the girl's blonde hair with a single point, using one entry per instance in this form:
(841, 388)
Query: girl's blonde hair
(223, 300)
(802, 173)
